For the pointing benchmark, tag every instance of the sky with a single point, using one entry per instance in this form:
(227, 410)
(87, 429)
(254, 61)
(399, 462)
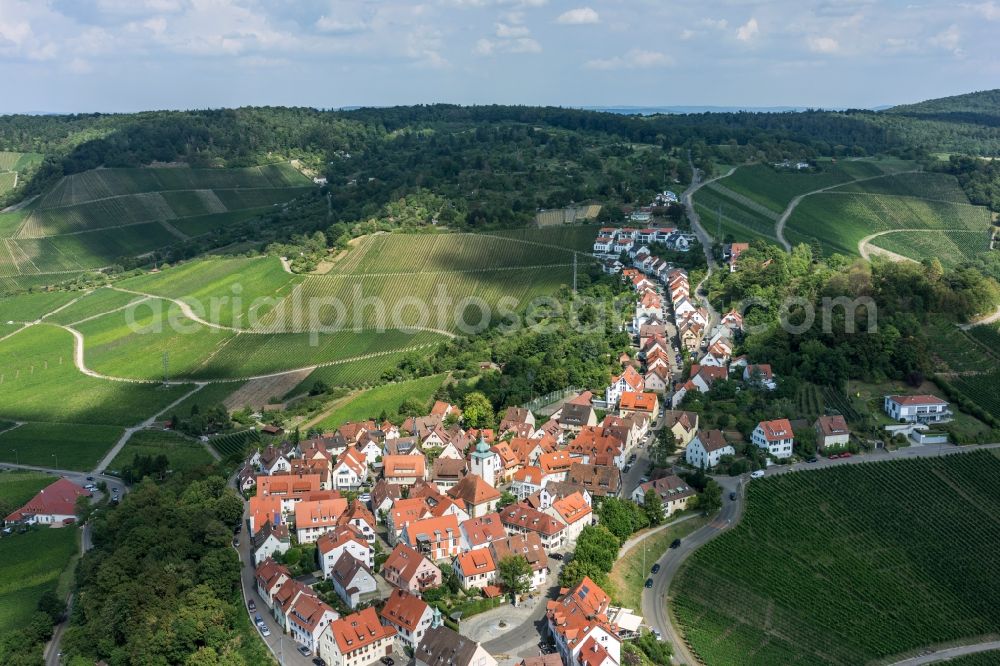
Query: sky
(129, 55)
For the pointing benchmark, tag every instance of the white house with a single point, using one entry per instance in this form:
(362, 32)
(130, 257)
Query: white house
(352, 579)
(917, 408)
(409, 615)
(775, 436)
(831, 432)
(707, 448)
(308, 618)
(345, 539)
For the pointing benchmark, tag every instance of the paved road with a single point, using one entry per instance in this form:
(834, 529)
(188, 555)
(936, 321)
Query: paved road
(522, 640)
(935, 656)
(654, 601)
(703, 236)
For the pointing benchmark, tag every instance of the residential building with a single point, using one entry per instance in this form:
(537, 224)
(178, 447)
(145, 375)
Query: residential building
(343, 539)
(262, 510)
(53, 506)
(315, 518)
(475, 569)
(270, 576)
(443, 647)
(638, 403)
(916, 408)
(408, 570)
(775, 436)
(520, 519)
(447, 471)
(475, 494)
(529, 546)
(707, 448)
(404, 469)
(409, 615)
(358, 516)
(308, 618)
(356, 640)
(684, 425)
(289, 488)
(404, 512)
(527, 481)
(673, 490)
(270, 539)
(352, 579)
(284, 599)
(350, 470)
(760, 375)
(437, 538)
(573, 510)
(599, 480)
(628, 380)
(831, 432)
(481, 532)
(579, 615)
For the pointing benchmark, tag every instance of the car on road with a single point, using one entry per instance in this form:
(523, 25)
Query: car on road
(388, 661)
(303, 650)
(676, 543)
(732, 496)
(264, 631)
(236, 543)
(90, 478)
(845, 454)
(649, 583)
(252, 606)
(656, 632)
(643, 479)
(626, 468)
(656, 568)
(258, 619)
(759, 474)
(556, 556)
(811, 459)
(365, 497)
(318, 662)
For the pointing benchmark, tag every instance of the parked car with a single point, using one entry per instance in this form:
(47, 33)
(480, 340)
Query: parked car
(811, 459)
(365, 497)
(252, 606)
(264, 631)
(303, 650)
(649, 583)
(388, 661)
(318, 662)
(759, 474)
(236, 543)
(643, 479)
(845, 454)
(676, 543)
(90, 478)
(626, 468)
(258, 619)
(556, 556)
(656, 568)
(732, 496)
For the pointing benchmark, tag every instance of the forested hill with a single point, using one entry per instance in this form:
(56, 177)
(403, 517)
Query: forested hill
(982, 106)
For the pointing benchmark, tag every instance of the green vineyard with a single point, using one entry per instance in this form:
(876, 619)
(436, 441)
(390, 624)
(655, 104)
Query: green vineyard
(849, 564)
(937, 186)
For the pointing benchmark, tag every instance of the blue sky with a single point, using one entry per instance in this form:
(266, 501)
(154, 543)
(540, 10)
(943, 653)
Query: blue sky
(126, 55)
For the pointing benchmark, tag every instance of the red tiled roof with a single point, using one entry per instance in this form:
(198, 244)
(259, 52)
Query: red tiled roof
(56, 499)
(404, 609)
(776, 430)
(917, 400)
(359, 630)
(477, 561)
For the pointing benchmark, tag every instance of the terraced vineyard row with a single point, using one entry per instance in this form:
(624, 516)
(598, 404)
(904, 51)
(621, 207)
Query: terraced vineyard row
(431, 300)
(843, 565)
(939, 186)
(981, 389)
(235, 444)
(572, 237)
(434, 253)
(738, 221)
(103, 183)
(950, 247)
(121, 211)
(952, 346)
(840, 221)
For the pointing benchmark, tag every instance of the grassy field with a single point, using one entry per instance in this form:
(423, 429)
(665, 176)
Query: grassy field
(92, 304)
(32, 565)
(631, 571)
(39, 382)
(388, 398)
(353, 373)
(58, 445)
(815, 550)
(17, 487)
(840, 221)
(775, 188)
(11, 167)
(579, 237)
(182, 452)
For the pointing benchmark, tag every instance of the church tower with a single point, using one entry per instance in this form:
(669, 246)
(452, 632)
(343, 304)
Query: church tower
(486, 463)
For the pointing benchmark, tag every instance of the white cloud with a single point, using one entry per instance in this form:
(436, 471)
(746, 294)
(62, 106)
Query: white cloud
(579, 16)
(687, 34)
(823, 44)
(988, 10)
(748, 30)
(947, 39)
(337, 26)
(80, 66)
(505, 31)
(634, 59)
(717, 24)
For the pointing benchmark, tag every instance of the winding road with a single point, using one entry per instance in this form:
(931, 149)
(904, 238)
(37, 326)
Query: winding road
(703, 236)
(866, 250)
(779, 226)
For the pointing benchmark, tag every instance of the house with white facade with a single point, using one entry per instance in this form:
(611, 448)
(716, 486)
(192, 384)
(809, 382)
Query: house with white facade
(707, 448)
(916, 408)
(775, 436)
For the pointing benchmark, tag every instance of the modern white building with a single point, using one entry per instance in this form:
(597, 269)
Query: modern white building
(917, 408)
